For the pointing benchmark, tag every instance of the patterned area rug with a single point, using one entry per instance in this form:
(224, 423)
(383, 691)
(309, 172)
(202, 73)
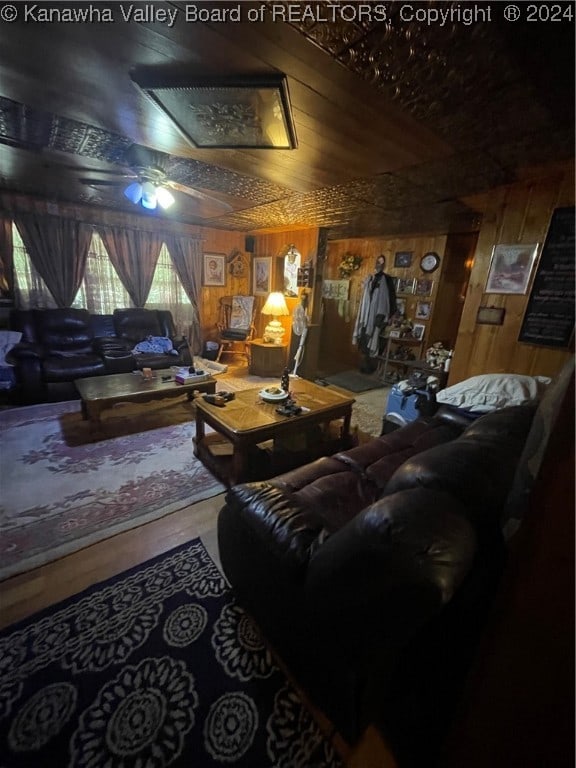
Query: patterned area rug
(157, 667)
(61, 492)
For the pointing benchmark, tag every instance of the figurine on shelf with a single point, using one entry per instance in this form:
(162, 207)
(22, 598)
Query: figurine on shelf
(437, 356)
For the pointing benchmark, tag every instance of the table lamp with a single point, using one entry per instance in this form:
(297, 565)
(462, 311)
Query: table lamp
(275, 305)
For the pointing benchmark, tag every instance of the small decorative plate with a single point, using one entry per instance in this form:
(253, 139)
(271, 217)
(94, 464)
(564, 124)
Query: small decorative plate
(273, 394)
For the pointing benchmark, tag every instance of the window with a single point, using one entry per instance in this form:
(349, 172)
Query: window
(31, 292)
(167, 292)
(101, 291)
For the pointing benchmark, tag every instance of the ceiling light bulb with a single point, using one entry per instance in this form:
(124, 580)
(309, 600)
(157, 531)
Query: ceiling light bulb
(149, 195)
(134, 192)
(164, 197)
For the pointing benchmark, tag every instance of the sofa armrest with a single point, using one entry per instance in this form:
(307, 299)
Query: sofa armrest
(275, 522)
(390, 570)
(180, 344)
(25, 351)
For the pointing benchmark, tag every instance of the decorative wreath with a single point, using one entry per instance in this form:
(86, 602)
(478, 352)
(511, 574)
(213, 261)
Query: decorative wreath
(350, 263)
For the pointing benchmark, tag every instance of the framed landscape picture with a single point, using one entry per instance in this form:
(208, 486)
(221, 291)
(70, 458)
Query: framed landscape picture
(261, 275)
(214, 269)
(510, 268)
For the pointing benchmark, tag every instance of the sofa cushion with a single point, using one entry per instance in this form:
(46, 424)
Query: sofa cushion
(477, 468)
(65, 330)
(102, 326)
(135, 324)
(58, 368)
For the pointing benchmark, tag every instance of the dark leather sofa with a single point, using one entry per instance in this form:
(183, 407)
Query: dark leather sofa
(61, 345)
(371, 572)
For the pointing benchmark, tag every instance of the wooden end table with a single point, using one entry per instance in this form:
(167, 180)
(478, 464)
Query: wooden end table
(101, 392)
(267, 359)
(243, 423)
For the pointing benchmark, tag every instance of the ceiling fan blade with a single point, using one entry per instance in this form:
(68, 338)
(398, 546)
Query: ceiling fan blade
(200, 195)
(103, 182)
(101, 171)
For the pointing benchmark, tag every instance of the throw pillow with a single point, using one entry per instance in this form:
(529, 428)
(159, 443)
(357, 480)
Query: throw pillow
(491, 391)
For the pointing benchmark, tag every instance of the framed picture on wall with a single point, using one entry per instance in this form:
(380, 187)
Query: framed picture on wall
(510, 268)
(404, 286)
(261, 275)
(403, 259)
(423, 310)
(214, 269)
(401, 306)
(423, 286)
(418, 331)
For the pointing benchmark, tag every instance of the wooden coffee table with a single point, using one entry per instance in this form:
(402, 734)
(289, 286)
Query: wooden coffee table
(101, 392)
(245, 422)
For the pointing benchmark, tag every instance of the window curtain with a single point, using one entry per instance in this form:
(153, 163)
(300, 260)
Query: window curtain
(58, 249)
(6, 258)
(134, 255)
(101, 291)
(30, 291)
(167, 292)
(186, 255)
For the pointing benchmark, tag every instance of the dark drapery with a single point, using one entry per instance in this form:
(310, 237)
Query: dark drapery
(6, 257)
(134, 255)
(58, 249)
(186, 255)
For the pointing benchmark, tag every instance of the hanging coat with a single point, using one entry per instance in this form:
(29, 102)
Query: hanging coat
(378, 301)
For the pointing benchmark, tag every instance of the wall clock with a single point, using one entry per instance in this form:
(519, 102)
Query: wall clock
(429, 262)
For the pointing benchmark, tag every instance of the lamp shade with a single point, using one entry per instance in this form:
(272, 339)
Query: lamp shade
(275, 305)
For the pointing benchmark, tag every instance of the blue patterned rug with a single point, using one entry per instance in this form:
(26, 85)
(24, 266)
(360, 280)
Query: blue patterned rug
(157, 667)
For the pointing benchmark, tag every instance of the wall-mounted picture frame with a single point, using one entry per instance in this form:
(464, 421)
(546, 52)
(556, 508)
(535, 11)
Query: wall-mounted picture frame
(423, 286)
(511, 268)
(490, 315)
(423, 310)
(401, 306)
(261, 275)
(404, 286)
(403, 259)
(336, 289)
(418, 331)
(213, 269)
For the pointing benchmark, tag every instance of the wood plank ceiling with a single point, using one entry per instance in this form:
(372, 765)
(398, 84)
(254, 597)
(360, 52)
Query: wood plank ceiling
(398, 121)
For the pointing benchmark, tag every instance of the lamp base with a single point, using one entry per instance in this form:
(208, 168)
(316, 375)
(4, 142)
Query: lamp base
(274, 332)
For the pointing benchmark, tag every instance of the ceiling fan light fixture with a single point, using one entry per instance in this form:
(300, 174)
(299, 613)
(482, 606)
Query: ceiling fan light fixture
(165, 197)
(149, 198)
(134, 192)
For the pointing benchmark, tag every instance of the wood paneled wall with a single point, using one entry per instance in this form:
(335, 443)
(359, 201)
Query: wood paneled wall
(223, 242)
(274, 244)
(519, 213)
(339, 318)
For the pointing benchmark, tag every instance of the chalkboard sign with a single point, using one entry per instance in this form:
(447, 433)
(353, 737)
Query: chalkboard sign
(549, 317)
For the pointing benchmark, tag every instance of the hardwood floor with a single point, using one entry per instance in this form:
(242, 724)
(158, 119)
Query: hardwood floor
(25, 594)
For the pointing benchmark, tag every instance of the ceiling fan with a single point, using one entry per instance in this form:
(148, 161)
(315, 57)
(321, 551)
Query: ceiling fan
(147, 181)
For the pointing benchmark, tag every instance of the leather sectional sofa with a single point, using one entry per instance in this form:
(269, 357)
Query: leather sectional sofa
(61, 345)
(371, 572)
